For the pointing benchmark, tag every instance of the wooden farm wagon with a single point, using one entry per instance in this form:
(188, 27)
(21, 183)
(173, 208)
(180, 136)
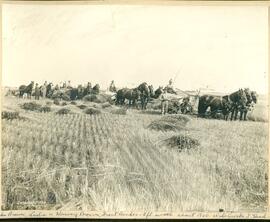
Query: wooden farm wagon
(185, 102)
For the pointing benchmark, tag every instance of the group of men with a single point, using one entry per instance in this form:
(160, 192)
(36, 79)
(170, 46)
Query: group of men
(42, 90)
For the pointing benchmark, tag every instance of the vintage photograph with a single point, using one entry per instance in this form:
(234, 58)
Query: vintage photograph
(134, 107)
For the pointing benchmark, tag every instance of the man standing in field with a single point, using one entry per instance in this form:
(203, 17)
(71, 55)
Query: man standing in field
(112, 87)
(44, 89)
(37, 92)
(88, 88)
(164, 102)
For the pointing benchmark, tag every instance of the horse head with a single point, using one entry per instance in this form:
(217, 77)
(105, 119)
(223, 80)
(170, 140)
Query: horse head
(151, 90)
(242, 98)
(144, 90)
(96, 87)
(80, 88)
(136, 93)
(30, 86)
(254, 96)
(248, 95)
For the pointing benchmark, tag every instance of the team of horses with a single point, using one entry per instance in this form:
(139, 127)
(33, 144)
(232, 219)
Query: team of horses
(237, 102)
(240, 101)
(143, 93)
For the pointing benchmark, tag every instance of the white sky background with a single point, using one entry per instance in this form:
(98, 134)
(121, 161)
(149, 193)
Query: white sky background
(224, 48)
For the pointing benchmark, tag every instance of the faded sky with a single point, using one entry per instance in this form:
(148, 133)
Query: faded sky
(224, 48)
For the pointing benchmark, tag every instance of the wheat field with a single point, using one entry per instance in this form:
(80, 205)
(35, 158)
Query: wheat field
(112, 162)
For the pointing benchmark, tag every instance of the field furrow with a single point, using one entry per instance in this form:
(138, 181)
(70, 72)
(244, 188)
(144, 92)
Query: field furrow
(115, 162)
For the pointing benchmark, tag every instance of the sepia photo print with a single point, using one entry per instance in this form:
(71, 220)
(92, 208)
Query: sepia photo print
(136, 110)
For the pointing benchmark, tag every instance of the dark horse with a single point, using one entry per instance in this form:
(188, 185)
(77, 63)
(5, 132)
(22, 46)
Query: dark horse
(96, 89)
(158, 92)
(120, 96)
(26, 89)
(144, 94)
(239, 100)
(251, 99)
(73, 94)
(132, 95)
(217, 104)
(77, 93)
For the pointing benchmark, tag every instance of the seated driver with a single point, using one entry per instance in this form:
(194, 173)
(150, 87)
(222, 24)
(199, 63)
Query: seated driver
(170, 88)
